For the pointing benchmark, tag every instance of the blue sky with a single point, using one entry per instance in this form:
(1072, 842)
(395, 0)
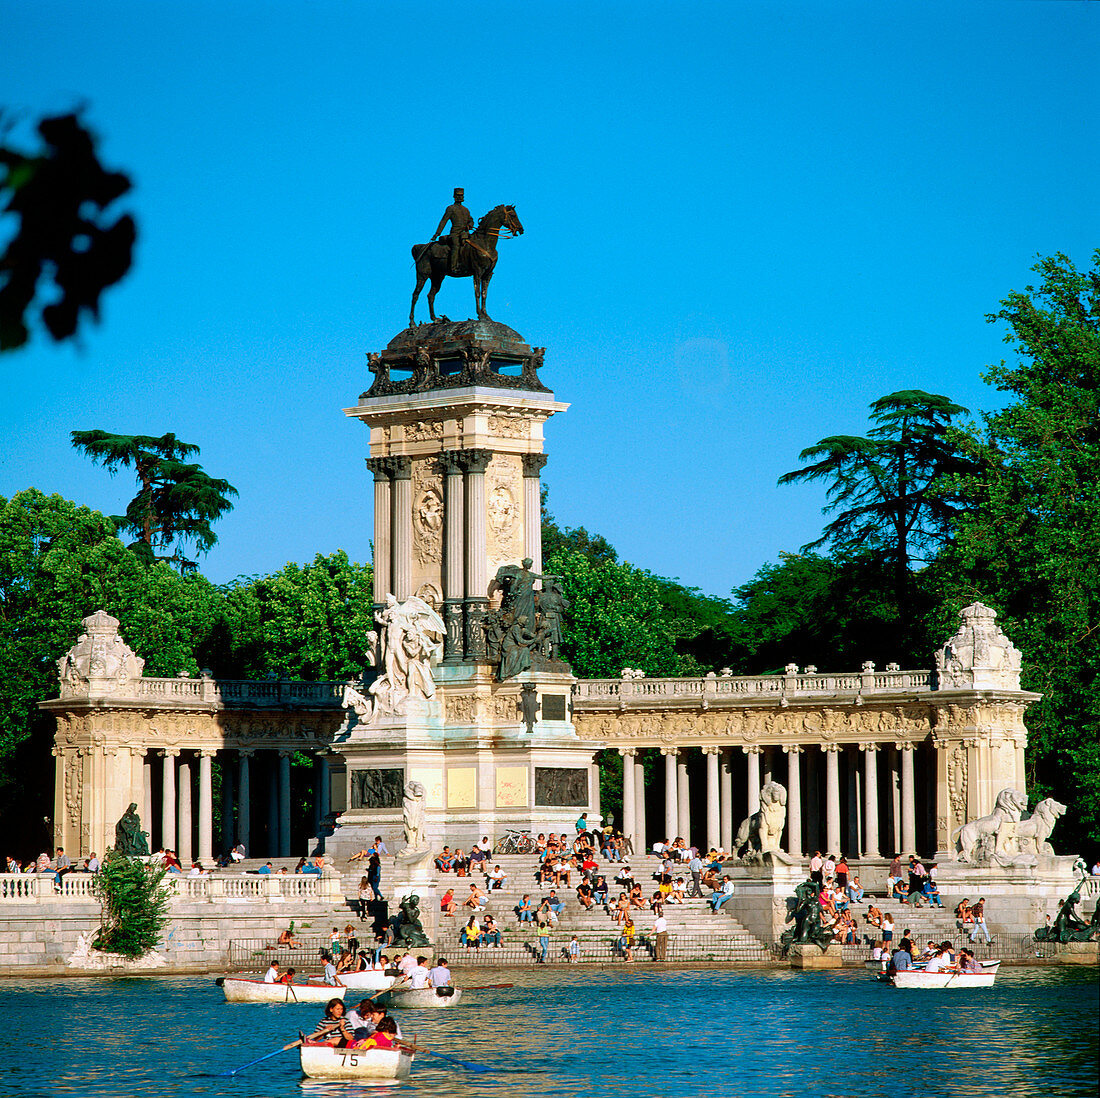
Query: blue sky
(744, 222)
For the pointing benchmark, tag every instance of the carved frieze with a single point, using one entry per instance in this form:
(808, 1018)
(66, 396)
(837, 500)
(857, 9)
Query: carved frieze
(508, 426)
(460, 708)
(74, 786)
(956, 781)
(430, 430)
(427, 492)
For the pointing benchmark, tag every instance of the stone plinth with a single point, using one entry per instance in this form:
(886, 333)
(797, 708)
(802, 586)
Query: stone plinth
(811, 956)
(1077, 953)
(760, 897)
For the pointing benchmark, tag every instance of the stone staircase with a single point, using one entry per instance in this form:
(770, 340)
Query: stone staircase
(695, 932)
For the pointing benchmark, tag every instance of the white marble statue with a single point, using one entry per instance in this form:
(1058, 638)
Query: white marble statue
(413, 811)
(411, 641)
(759, 835)
(1032, 832)
(359, 703)
(983, 840)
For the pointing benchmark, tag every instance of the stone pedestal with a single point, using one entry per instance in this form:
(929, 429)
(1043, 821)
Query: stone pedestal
(1078, 953)
(811, 956)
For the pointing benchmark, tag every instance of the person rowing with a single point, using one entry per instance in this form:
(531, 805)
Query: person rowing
(333, 1028)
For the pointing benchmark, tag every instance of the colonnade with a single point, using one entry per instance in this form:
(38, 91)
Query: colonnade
(178, 810)
(465, 569)
(811, 824)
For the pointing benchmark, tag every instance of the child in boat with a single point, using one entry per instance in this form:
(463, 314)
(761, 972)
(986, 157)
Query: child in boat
(384, 1036)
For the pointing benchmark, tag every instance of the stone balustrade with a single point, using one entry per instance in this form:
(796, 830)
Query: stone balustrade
(40, 888)
(234, 692)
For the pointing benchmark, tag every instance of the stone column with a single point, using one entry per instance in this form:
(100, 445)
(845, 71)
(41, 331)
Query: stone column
(272, 805)
(832, 797)
(206, 809)
(146, 794)
(227, 804)
(870, 800)
(168, 800)
(725, 800)
(477, 565)
(628, 821)
(284, 804)
(753, 781)
(640, 837)
(186, 852)
(683, 797)
(908, 800)
(402, 527)
(454, 569)
(532, 508)
(768, 765)
(672, 814)
(383, 546)
(244, 804)
(714, 825)
(794, 801)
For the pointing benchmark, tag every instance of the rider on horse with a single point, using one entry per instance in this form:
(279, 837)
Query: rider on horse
(461, 224)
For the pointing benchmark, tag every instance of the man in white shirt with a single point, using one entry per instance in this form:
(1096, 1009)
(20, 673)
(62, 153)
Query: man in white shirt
(271, 976)
(497, 877)
(331, 979)
(440, 975)
(406, 964)
(660, 932)
(725, 893)
(419, 973)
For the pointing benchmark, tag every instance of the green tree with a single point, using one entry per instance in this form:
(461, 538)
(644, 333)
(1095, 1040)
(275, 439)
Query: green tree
(176, 502)
(58, 564)
(1030, 542)
(135, 905)
(61, 198)
(307, 621)
(887, 486)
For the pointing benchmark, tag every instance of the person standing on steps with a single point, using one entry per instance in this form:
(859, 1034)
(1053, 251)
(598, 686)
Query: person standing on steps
(544, 942)
(695, 866)
(660, 933)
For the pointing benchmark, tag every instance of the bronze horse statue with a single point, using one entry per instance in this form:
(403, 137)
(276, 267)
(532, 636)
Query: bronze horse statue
(478, 258)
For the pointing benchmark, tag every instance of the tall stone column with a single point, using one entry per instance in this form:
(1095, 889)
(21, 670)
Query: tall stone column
(228, 789)
(714, 827)
(832, 797)
(768, 764)
(640, 837)
(794, 801)
(870, 800)
(683, 797)
(908, 800)
(627, 824)
(383, 546)
(532, 508)
(206, 808)
(477, 565)
(725, 800)
(186, 851)
(284, 804)
(895, 799)
(454, 567)
(753, 781)
(672, 814)
(244, 804)
(168, 799)
(402, 527)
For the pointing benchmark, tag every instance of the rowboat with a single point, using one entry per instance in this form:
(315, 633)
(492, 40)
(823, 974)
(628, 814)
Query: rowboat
(371, 980)
(256, 991)
(918, 977)
(407, 998)
(325, 1062)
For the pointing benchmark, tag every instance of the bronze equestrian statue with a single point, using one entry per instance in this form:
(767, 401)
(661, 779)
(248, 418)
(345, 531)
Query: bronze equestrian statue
(473, 256)
(461, 224)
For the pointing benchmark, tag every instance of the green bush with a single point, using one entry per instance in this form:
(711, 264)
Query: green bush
(135, 905)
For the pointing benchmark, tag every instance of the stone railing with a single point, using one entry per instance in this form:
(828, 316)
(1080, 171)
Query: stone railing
(597, 693)
(234, 692)
(40, 888)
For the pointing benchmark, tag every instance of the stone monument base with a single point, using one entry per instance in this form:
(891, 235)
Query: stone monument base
(811, 956)
(1077, 953)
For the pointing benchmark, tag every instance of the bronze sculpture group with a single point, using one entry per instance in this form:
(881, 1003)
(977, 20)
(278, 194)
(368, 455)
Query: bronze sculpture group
(525, 631)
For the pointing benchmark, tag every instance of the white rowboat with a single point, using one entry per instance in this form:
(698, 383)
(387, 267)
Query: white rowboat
(325, 1062)
(433, 998)
(917, 977)
(371, 980)
(256, 991)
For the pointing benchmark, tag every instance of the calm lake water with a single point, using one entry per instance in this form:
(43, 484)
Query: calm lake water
(581, 1033)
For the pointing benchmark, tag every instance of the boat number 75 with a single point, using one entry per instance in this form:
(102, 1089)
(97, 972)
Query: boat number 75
(354, 1061)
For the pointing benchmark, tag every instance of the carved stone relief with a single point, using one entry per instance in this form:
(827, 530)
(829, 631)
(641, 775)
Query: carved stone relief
(503, 493)
(561, 787)
(424, 431)
(461, 708)
(506, 426)
(427, 491)
(956, 781)
(74, 786)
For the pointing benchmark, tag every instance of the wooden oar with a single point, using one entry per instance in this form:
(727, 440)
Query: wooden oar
(251, 1063)
(467, 1065)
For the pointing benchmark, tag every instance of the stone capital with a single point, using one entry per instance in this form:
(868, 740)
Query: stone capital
(628, 752)
(670, 751)
(830, 748)
(869, 746)
(380, 467)
(206, 752)
(711, 749)
(903, 745)
(476, 461)
(451, 462)
(532, 464)
(246, 752)
(751, 748)
(402, 467)
(170, 752)
(793, 748)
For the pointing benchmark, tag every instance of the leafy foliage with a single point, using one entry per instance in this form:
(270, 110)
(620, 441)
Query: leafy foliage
(60, 197)
(307, 621)
(887, 486)
(1030, 543)
(176, 502)
(135, 905)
